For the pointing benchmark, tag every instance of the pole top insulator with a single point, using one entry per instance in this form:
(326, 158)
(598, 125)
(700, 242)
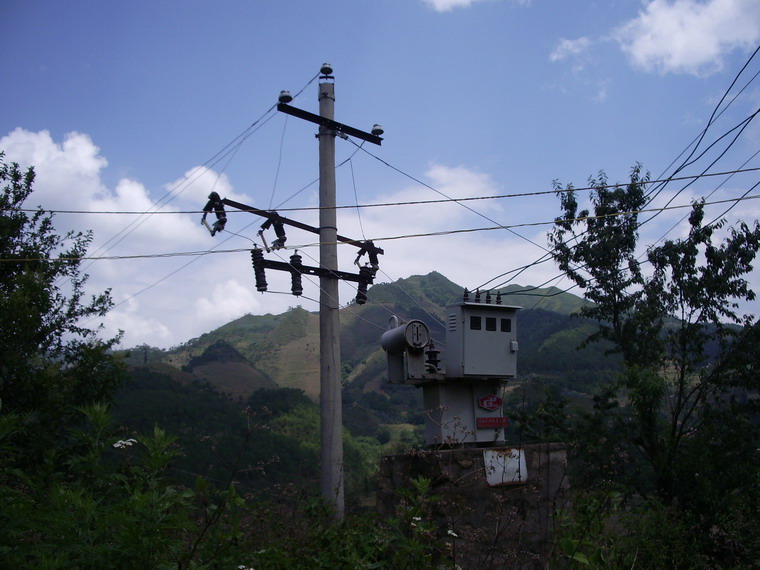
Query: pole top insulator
(326, 69)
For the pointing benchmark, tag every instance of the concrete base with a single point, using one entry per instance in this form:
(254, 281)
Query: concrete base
(493, 508)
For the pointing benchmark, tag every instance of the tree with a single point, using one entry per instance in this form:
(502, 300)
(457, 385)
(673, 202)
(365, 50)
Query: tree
(50, 361)
(680, 424)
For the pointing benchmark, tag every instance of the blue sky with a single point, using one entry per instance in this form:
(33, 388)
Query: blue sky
(118, 105)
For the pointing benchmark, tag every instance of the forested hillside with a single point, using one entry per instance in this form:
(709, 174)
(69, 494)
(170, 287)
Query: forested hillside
(283, 349)
(263, 371)
(206, 455)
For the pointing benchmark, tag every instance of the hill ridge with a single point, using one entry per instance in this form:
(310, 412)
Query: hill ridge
(283, 350)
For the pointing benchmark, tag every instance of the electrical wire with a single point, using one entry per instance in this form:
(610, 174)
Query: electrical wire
(181, 186)
(389, 204)
(418, 181)
(745, 123)
(279, 161)
(544, 258)
(714, 116)
(548, 254)
(356, 198)
(231, 147)
(656, 189)
(680, 221)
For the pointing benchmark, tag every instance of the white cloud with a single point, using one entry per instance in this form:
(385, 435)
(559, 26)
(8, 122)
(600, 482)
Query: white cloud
(159, 301)
(689, 36)
(570, 48)
(199, 181)
(67, 174)
(449, 5)
(578, 53)
(229, 300)
(450, 182)
(137, 328)
(469, 258)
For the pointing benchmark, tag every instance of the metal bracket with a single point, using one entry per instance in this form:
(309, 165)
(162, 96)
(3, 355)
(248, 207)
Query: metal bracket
(329, 123)
(367, 246)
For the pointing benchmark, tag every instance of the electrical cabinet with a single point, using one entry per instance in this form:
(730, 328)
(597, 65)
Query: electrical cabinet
(481, 340)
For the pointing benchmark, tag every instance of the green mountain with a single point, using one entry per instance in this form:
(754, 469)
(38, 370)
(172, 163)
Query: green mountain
(260, 351)
(270, 351)
(245, 396)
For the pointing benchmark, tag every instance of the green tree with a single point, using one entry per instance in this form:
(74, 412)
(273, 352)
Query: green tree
(50, 362)
(679, 426)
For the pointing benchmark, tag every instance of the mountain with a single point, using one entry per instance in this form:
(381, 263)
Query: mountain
(268, 351)
(256, 351)
(259, 374)
(228, 372)
(432, 292)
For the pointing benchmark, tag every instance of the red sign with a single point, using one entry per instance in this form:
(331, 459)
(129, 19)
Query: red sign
(490, 402)
(491, 422)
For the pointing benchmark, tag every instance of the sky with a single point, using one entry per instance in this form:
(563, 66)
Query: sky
(128, 108)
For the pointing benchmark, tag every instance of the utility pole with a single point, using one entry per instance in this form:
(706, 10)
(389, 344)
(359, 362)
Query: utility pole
(331, 422)
(331, 406)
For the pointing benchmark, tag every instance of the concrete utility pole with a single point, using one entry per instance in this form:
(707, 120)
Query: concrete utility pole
(329, 321)
(331, 406)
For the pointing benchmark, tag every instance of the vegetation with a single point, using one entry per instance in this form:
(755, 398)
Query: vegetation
(669, 450)
(195, 458)
(80, 491)
(49, 361)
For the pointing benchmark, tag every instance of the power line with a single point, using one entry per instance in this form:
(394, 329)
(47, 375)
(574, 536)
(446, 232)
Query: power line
(743, 125)
(657, 188)
(232, 148)
(707, 197)
(581, 218)
(714, 115)
(279, 161)
(181, 186)
(728, 173)
(234, 145)
(201, 253)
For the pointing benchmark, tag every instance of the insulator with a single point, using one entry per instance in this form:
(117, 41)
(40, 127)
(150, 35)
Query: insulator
(477, 295)
(498, 297)
(488, 298)
(432, 355)
(366, 274)
(257, 257)
(295, 275)
(466, 296)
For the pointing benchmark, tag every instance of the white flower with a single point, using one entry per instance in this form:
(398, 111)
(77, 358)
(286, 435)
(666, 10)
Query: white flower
(452, 533)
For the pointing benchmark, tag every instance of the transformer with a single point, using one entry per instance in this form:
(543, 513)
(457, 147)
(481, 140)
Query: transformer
(463, 401)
